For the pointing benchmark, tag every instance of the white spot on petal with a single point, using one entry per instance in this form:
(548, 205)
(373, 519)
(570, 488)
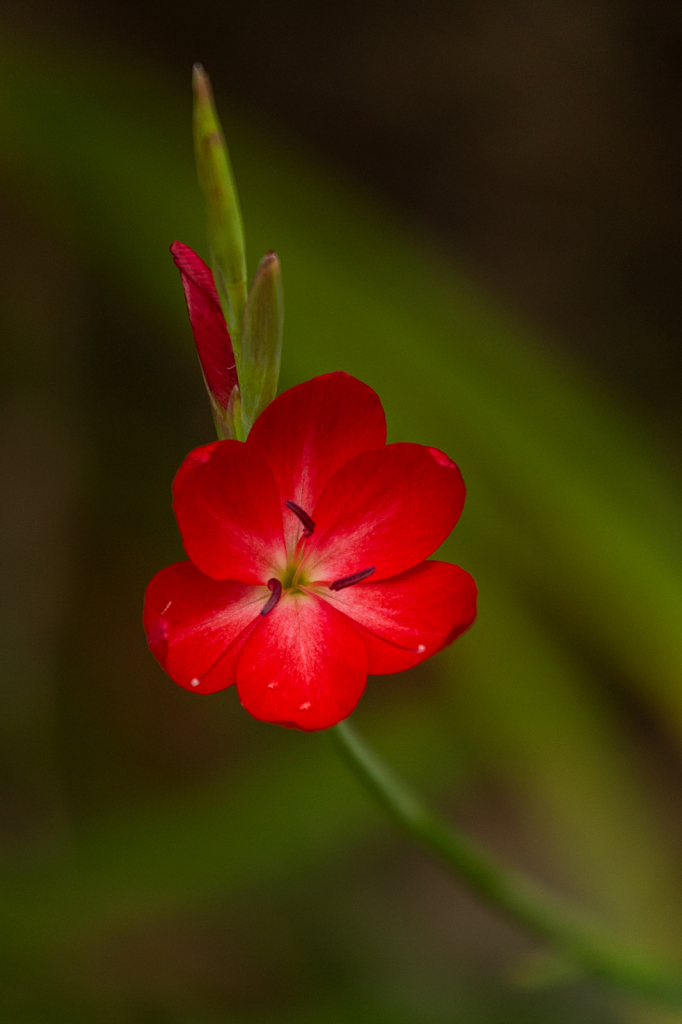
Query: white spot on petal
(305, 706)
(166, 608)
(194, 682)
(420, 649)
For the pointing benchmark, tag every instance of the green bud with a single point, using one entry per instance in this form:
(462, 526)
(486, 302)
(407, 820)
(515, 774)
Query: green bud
(262, 340)
(225, 231)
(227, 421)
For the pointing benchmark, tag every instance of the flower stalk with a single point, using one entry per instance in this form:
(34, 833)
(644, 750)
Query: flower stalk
(325, 617)
(571, 932)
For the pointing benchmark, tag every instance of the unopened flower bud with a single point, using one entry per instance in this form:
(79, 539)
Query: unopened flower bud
(225, 231)
(262, 340)
(212, 340)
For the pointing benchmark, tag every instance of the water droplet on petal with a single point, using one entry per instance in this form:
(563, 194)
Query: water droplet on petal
(305, 705)
(194, 682)
(420, 648)
(273, 686)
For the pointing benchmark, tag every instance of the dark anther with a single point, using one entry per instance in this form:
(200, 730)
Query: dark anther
(348, 581)
(308, 524)
(276, 587)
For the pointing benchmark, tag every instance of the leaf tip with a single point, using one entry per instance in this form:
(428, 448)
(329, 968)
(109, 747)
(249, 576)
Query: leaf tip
(201, 83)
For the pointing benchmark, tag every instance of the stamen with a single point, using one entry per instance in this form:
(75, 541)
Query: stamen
(276, 587)
(348, 581)
(308, 524)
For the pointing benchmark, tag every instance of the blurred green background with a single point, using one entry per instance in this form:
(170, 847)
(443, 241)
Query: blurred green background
(477, 211)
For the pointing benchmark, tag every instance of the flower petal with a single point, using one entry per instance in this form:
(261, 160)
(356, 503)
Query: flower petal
(304, 665)
(195, 458)
(228, 511)
(407, 618)
(208, 323)
(389, 508)
(196, 626)
(309, 431)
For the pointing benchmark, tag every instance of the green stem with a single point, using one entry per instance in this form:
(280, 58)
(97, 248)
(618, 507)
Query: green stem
(570, 931)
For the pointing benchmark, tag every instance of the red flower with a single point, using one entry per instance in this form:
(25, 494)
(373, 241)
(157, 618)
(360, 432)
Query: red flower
(307, 545)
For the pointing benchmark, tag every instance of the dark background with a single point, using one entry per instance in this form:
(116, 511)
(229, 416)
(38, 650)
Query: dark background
(540, 141)
(167, 860)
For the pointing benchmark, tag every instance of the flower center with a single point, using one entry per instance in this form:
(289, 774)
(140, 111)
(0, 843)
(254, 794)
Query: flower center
(292, 576)
(292, 579)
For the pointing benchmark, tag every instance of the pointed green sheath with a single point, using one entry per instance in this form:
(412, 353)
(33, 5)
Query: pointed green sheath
(262, 340)
(225, 231)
